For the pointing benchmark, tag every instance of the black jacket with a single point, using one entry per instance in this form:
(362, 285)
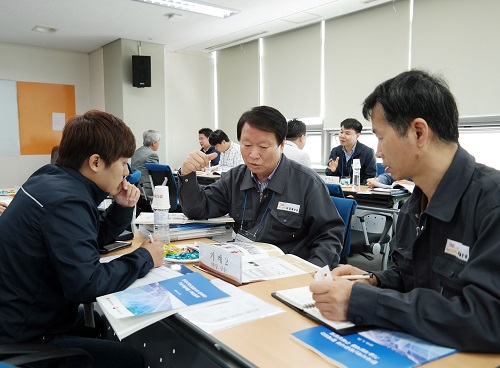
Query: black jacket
(49, 259)
(366, 158)
(444, 285)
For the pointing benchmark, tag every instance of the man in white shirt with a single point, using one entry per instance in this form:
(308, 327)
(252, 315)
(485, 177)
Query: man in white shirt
(295, 142)
(230, 154)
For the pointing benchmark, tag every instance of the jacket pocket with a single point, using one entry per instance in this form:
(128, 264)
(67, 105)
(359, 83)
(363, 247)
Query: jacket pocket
(288, 223)
(448, 270)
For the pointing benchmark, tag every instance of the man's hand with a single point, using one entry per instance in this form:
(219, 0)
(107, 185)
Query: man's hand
(128, 195)
(332, 297)
(196, 161)
(155, 249)
(332, 164)
(370, 182)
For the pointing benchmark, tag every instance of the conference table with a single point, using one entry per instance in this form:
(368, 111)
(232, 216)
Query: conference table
(266, 342)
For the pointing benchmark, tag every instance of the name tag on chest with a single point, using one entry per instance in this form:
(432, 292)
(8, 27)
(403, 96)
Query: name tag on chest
(290, 207)
(457, 249)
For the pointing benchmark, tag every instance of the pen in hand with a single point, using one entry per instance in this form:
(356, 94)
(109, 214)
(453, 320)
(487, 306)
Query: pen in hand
(150, 236)
(357, 277)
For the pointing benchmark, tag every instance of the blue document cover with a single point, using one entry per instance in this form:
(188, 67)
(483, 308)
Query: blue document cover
(378, 347)
(178, 292)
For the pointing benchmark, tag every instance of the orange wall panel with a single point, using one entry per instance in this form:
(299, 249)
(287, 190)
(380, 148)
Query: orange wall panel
(36, 103)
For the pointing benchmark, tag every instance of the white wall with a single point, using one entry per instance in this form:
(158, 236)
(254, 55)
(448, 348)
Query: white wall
(189, 100)
(29, 64)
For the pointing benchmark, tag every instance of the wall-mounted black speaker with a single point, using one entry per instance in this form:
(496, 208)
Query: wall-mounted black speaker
(141, 71)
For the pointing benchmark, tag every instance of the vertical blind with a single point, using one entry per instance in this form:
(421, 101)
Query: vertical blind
(291, 67)
(362, 50)
(237, 84)
(459, 39)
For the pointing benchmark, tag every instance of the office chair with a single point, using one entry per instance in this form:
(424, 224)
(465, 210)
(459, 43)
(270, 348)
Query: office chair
(365, 243)
(346, 208)
(54, 154)
(380, 169)
(16, 355)
(162, 175)
(335, 190)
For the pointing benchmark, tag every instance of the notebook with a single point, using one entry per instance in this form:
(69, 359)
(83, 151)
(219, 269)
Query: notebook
(300, 299)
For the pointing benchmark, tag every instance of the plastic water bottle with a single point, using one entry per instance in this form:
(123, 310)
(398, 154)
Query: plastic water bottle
(356, 172)
(161, 225)
(161, 206)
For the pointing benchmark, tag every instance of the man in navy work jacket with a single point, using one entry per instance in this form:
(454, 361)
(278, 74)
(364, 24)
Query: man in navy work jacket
(271, 198)
(341, 157)
(49, 258)
(444, 285)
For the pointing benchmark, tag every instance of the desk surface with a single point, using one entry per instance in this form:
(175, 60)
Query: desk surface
(267, 343)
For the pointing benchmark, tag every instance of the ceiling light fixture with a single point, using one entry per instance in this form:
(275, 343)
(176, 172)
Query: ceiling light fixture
(192, 6)
(43, 29)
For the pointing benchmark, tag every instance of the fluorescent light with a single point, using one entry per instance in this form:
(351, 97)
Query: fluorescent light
(42, 29)
(196, 7)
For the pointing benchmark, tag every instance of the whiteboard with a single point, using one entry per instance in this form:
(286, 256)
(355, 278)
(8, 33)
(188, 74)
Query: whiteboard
(9, 123)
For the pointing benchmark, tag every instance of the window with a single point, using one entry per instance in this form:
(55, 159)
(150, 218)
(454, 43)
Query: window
(314, 141)
(479, 140)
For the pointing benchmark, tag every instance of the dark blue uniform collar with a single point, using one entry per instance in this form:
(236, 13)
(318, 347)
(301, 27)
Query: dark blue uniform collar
(449, 190)
(98, 195)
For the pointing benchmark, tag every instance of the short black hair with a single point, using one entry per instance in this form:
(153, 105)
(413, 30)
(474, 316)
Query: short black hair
(217, 136)
(264, 118)
(95, 132)
(205, 131)
(296, 128)
(351, 123)
(416, 94)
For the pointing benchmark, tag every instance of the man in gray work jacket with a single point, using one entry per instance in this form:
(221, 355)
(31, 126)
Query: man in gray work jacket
(271, 198)
(444, 285)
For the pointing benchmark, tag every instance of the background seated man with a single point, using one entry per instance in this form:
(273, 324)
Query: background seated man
(340, 162)
(295, 142)
(146, 154)
(206, 147)
(271, 198)
(444, 285)
(230, 154)
(49, 258)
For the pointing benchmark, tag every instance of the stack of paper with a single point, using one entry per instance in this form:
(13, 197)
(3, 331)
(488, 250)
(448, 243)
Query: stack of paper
(134, 308)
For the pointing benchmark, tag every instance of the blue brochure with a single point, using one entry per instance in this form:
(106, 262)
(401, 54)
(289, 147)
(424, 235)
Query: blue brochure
(377, 347)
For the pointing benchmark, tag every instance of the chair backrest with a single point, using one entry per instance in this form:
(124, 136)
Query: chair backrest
(162, 175)
(346, 208)
(380, 169)
(335, 190)
(54, 154)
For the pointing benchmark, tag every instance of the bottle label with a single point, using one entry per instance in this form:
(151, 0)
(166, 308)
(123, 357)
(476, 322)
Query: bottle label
(161, 217)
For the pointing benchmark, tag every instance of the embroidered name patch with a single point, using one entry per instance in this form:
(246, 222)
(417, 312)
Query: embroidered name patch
(457, 249)
(290, 207)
